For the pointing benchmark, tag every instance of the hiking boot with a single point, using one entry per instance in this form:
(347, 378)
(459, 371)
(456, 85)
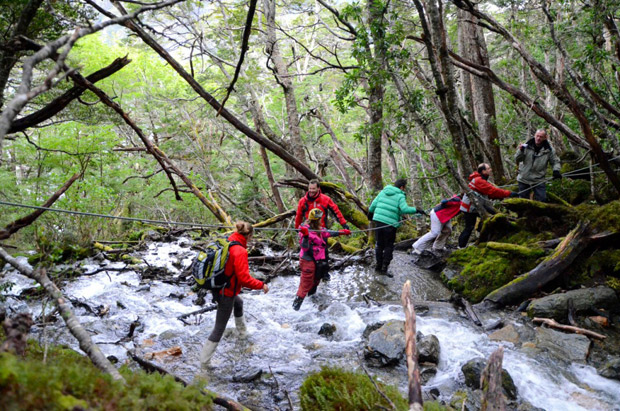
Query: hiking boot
(207, 353)
(313, 290)
(416, 251)
(297, 303)
(242, 330)
(385, 273)
(326, 277)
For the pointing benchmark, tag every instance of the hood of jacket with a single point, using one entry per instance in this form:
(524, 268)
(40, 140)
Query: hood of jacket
(476, 174)
(392, 190)
(240, 238)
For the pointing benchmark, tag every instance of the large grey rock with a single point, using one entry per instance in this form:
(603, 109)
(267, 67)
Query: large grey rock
(428, 349)
(611, 369)
(386, 345)
(472, 370)
(569, 347)
(555, 306)
(507, 333)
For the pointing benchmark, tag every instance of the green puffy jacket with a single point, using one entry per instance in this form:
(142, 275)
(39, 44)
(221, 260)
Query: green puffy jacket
(389, 205)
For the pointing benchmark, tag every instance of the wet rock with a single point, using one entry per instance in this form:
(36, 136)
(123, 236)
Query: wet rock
(427, 373)
(525, 406)
(430, 261)
(386, 345)
(508, 333)
(370, 328)
(248, 375)
(555, 306)
(467, 400)
(152, 235)
(327, 330)
(253, 399)
(568, 347)
(611, 369)
(428, 349)
(494, 325)
(472, 370)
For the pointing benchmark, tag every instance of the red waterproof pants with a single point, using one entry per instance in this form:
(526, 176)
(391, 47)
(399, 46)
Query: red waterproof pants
(308, 278)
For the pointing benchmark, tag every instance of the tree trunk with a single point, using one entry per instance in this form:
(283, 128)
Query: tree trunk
(86, 343)
(272, 182)
(527, 284)
(389, 154)
(483, 100)
(375, 11)
(284, 80)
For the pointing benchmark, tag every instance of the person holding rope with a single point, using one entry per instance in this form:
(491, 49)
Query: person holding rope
(441, 227)
(478, 182)
(386, 210)
(533, 158)
(315, 199)
(227, 298)
(313, 254)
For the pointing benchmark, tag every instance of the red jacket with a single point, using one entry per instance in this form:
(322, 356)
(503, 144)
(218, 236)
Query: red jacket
(307, 203)
(447, 209)
(480, 185)
(237, 267)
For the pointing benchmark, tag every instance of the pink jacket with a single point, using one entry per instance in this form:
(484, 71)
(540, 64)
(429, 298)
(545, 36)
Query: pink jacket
(317, 241)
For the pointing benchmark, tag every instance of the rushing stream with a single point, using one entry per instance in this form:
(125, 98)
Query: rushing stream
(286, 342)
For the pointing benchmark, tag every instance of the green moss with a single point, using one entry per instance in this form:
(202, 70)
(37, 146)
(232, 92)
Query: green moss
(68, 380)
(516, 250)
(601, 262)
(406, 231)
(603, 218)
(336, 389)
(613, 283)
(484, 270)
(572, 191)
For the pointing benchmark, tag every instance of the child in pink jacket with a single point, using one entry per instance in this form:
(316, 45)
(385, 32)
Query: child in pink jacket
(313, 242)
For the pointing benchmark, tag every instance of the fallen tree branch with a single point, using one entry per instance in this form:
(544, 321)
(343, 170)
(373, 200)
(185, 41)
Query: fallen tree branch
(413, 370)
(577, 330)
(381, 393)
(491, 383)
(73, 324)
(151, 367)
(18, 224)
(202, 310)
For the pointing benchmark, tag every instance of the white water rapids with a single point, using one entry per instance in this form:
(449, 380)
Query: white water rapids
(287, 343)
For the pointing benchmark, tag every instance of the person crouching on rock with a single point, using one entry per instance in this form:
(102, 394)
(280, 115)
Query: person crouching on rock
(227, 298)
(441, 227)
(312, 257)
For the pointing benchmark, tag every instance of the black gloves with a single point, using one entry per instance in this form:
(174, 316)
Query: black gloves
(370, 215)
(557, 175)
(420, 211)
(346, 226)
(514, 194)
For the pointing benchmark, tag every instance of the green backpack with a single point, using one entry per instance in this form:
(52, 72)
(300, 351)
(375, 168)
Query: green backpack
(208, 266)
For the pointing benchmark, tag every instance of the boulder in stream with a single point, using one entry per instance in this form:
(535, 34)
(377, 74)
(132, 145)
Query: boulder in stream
(584, 300)
(386, 345)
(428, 349)
(568, 347)
(472, 370)
(611, 369)
(327, 330)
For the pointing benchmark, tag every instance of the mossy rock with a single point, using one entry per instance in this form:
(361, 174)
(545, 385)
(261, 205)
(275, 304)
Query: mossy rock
(598, 265)
(602, 218)
(485, 270)
(572, 191)
(336, 389)
(604, 191)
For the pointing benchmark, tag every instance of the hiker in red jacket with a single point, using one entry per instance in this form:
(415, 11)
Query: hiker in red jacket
(315, 199)
(478, 182)
(227, 298)
(441, 227)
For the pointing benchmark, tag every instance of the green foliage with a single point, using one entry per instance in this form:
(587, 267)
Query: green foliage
(68, 380)
(336, 389)
(571, 191)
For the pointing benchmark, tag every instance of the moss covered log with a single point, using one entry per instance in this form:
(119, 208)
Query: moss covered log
(515, 250)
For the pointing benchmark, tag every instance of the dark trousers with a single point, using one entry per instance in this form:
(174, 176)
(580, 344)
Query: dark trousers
(470, 223)
(384, 248)
(540, 191)
(225, 307)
